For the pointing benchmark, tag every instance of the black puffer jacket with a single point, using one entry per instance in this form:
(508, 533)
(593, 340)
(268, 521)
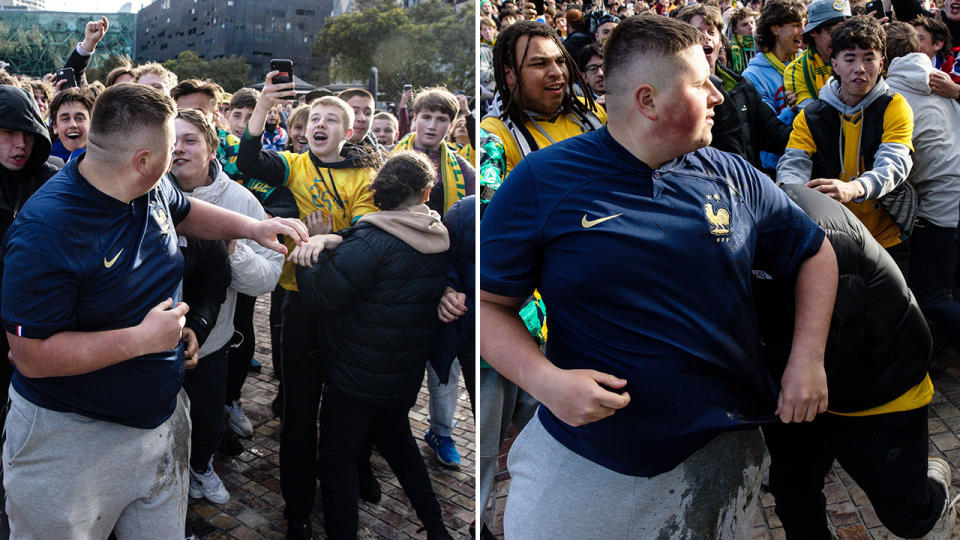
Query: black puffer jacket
(376, 298)
(460, 221)
(743, 123)
(879, 344)
(206, 276)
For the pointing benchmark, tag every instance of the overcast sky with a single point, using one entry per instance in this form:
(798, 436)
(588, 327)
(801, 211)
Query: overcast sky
(95, 6)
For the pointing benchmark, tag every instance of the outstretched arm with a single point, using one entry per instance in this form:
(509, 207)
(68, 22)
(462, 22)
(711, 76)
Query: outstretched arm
(252, 159)
(208, 222)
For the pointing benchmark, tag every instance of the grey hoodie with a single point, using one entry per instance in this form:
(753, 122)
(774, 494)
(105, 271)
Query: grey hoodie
(891, 164)
(936, 143)
(254, 269)
(418, 226)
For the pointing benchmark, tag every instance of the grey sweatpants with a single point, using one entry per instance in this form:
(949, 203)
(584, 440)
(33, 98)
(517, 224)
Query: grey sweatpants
(69, 477)
(556, 493)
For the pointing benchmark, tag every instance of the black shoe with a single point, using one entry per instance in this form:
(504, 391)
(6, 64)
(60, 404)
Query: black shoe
(485, 533)
(230, 444)
(299, 530)
(436, 532)
(277, 406)
(369, 487)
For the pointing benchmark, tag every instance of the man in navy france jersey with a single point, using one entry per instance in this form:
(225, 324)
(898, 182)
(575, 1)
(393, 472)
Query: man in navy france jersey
(97, 436)
(641, 241)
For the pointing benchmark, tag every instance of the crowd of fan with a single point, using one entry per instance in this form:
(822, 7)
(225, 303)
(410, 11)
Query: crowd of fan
(372, 289)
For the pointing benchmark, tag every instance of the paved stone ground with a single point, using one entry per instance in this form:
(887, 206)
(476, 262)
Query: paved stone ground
(851, 516)
(255, 509)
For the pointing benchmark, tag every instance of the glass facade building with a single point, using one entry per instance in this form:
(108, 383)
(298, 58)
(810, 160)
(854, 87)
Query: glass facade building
(39, 42)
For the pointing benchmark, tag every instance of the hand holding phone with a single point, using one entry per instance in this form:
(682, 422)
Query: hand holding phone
(875, 7)
(285, 67)
(65, 74)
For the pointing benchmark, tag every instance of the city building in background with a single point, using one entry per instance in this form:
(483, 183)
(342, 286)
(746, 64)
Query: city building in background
(258, 30)
(25, 4)
(38, 42)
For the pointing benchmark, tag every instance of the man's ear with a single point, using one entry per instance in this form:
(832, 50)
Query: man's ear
(643, 100)
(348, 134)
(141, 161)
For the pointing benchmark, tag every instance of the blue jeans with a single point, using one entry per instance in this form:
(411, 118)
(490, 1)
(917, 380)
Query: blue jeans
(443, 399)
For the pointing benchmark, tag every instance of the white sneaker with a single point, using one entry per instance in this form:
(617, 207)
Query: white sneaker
(939, 470)
(238, 422)
(208, 486)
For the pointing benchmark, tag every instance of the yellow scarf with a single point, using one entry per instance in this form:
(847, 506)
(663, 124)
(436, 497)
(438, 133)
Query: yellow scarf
(775, 62)
(454, 186)
(467, 153)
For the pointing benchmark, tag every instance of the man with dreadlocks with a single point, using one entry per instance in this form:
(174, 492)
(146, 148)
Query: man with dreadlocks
(535, 105)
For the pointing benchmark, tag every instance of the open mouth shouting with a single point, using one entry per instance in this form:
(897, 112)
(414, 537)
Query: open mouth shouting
(953, 10)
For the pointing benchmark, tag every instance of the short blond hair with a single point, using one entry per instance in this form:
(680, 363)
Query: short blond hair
(169, 77)
(299, 116)
(346, 111)
(389, 118)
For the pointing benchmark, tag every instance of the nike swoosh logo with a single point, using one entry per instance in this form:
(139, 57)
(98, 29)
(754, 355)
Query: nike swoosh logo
(590, 223)
(109, 263)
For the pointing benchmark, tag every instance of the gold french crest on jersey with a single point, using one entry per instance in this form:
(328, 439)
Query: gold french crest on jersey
(718, 219)
(160, 215)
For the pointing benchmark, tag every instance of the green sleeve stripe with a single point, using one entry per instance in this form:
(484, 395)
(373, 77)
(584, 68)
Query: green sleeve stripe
(286, 168)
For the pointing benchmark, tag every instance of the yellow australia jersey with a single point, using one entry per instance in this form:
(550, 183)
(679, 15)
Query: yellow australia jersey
(897, 128)
(806, 75)
(340, 191)
(560, 128)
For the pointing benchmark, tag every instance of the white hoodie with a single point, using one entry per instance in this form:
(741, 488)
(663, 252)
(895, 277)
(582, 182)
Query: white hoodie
(936, 161)
(254, 269)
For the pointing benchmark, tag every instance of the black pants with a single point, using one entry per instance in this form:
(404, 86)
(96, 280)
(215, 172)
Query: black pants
(345, 424)
(901, 255)
(303, 377)
(885, 454)
(242, 346)
(205, 385)
(276, 331)
(933, 265)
